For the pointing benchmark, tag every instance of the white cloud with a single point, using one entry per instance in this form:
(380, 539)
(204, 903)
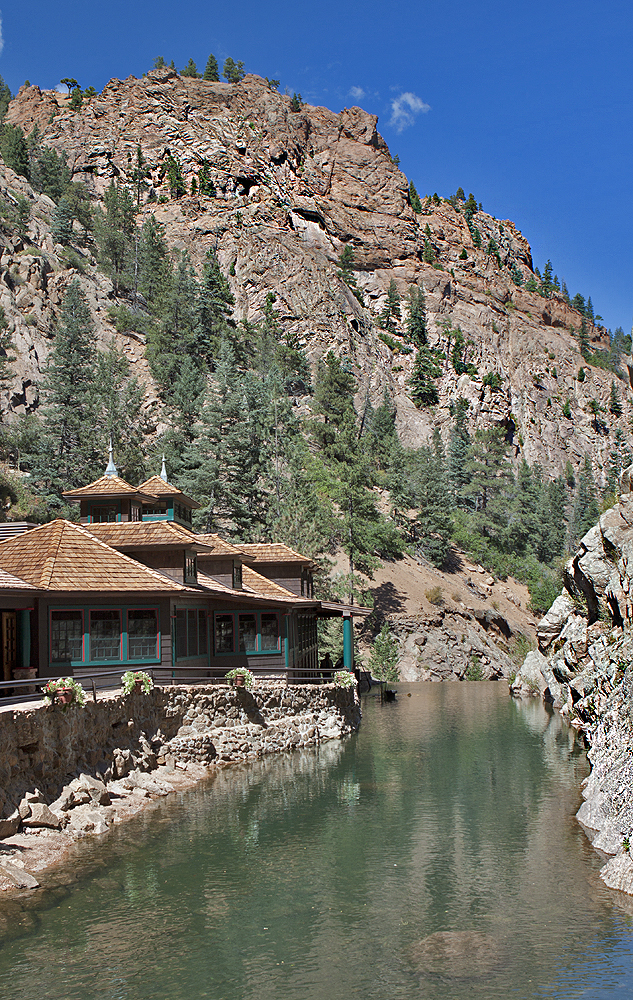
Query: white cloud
(357, 92)
(405, 109)
(1, 35)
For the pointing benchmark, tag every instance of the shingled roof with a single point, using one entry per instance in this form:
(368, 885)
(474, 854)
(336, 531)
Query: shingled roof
(262, 587)
(157, 487)
(223, 548)
(111, 486)
(273, 552)
(64, 556)
(142, 534)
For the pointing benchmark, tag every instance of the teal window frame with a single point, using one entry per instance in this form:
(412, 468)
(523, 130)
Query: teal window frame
(123, 610)
(258, 651)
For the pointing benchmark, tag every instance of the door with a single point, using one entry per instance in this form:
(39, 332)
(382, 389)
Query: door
(9, 643)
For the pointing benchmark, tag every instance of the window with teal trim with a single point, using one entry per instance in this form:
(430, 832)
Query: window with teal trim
(105, 635)
(247, 632)
(67, 636)
(142, 634)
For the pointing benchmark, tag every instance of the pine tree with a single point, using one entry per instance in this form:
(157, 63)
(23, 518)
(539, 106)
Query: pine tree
(5, 99)
(211, 72)
(381, 438)
(383, 659)
(615, 406)
(433, 526)
(172, 170)
(391, 313)
(583, 338)
(416, 319)
(71, 454)
(14, 149)
(333, 399)
(140, 174)
(216, 303)
(7, 347)
(62, 223)
(296, 103)
(490, 475)
(233, 72)
(414, 198)
(114, 228)
(586, 510)
(458, 451)
(191, 70)
(153, 259)
(422, 384)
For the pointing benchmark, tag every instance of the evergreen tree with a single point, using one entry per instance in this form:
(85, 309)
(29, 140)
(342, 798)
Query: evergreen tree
(586, 510)
(48, 171)
(381, 438)
(416, 319)
(489, 475)
(578, 303)
(615, 406)
(383, 659)
(172, 170)
(458, 452)
(118, 402)
(14, 149)
(7, 347)
(140, 173)
(71, 452)
(433, 526)
(114, 227)
(333, 399)
(5, 99)
(176, 335)
(296, 103)
(62, 223)
(422, 384)
(211, 71)
(583, 338)
(216, 303)
(191, 70)
(414, 198)
(153, 258)
(589, 310)
(233, 71)
(391, 313)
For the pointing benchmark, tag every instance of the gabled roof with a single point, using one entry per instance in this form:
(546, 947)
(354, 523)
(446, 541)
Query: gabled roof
(131, 535)
(223, 548)
(258, 584)
(64, 556)
(157, 487)
(110, 486)
(274, 552)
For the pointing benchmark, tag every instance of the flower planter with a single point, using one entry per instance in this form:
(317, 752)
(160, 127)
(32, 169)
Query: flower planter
(65, 696)
(239, 681)
(138, 687)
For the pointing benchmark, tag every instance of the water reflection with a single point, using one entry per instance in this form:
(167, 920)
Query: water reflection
(433, 855)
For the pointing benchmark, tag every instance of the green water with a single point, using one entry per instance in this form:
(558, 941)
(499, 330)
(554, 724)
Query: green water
(432, 855)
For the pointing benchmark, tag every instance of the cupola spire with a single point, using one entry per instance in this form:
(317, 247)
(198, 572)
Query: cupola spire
(163, 470)
(111, 469)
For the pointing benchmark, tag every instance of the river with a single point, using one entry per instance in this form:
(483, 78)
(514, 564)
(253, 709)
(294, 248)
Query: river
(434, 854)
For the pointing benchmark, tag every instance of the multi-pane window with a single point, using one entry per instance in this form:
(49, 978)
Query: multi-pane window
(191, 568)
(142, 634)
(247, 632)
(191, 632)
(104, 514)
(67, 636)
(105, 635)
(113, 634)
(237, 575)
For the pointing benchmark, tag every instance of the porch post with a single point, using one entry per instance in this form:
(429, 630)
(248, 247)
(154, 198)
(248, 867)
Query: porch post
(348, 645)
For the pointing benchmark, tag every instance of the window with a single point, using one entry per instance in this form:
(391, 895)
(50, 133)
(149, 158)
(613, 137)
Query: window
(104, 515)
(191, 633)
(270, 632)
(142, 634)
(67, 636)
(237, 575)
(255, 632)
(135, 513)
(247, 633)
(105, 635)
(224, 633)
(191, 568)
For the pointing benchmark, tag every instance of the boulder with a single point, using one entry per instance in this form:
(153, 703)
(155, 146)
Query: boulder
(618, 873)
(10, 825)
(552, 624)
(42, 816)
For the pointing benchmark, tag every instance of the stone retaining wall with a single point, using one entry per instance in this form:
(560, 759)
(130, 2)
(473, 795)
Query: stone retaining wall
(46, 747)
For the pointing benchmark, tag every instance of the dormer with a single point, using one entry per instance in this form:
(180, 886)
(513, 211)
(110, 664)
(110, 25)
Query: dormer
(108, 500)
(168, 502)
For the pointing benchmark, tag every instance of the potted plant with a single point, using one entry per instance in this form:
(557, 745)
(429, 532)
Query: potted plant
(344, 679)
(136, 680)
(65, 691)
(240, 677)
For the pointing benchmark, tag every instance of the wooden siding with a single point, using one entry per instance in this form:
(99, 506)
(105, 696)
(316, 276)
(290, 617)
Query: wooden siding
(219, 569)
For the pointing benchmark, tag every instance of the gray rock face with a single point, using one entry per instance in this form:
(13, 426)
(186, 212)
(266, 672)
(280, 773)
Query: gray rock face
(10, 826)
(552, 624)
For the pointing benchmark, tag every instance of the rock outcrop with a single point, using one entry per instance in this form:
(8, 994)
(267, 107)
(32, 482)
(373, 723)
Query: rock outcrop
(583, 667)
(293, 188)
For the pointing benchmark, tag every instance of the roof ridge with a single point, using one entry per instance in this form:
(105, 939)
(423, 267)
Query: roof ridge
(135, 562)
(50, 561)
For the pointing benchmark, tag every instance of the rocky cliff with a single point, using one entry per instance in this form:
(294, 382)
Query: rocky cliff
(583, 667)
(292, 190)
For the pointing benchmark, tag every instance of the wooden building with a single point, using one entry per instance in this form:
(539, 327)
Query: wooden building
(133, 587)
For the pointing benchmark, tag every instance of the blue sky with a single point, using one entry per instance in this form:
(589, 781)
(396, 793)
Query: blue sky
(528, 105)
